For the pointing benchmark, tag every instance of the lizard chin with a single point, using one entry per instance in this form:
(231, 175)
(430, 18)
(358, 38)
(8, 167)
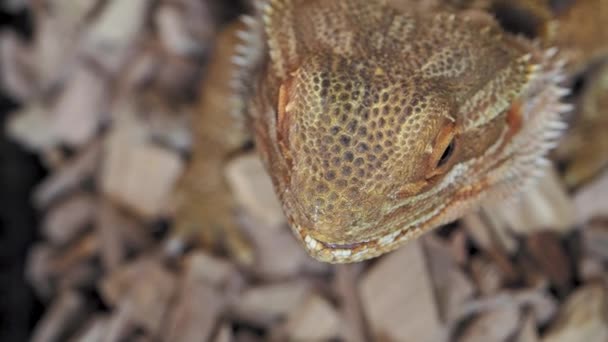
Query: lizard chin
(357, 251)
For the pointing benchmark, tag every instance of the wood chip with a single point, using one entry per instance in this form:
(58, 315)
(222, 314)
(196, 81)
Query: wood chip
(314, 320)
(253, 189)
(94, 331)
(30, 127)
(79, 252)
(77, 113)
(224, 334)
(547, 252)
(109, 224)
(82, 275)
(592, 200)
(69, 14)
(269, 243)
(595, 239)
(62, 317)
(119, 325)
(353, 321)
(113, 33)
(201, 267)
(484, 328)
(452, 286)
(54, 52)
(38, 269)
(146, 287)
(403, 308)
(487, 275)
(139, 175)
(264, 305)
(174, 33)
(583, 317)
(69, 177)
(16, 74)
(195, 313)
(528, 332)
(590, 269)
(69, 219)
(539, 303)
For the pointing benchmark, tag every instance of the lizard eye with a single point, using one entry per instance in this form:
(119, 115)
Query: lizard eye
(447, 153)
(445, 147)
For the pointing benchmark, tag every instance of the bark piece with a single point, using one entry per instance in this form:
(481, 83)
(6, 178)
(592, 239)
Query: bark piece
(314, 320)
(583, 317)
(69, 219)
(398, 299)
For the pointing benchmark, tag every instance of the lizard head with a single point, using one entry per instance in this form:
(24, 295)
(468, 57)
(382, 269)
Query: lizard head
(399, 125)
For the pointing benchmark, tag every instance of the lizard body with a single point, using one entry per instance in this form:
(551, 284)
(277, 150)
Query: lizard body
(377, 125)
(379, 122)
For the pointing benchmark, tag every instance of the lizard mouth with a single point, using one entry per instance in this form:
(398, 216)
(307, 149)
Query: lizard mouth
(436, 215)
(362, 250)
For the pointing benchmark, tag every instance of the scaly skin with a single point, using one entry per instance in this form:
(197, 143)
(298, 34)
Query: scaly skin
(378, 125)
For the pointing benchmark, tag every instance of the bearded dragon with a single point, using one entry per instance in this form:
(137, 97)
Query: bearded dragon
(376, 124)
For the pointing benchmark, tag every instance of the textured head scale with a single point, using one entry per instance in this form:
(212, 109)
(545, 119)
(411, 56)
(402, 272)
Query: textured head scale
(377, 125)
